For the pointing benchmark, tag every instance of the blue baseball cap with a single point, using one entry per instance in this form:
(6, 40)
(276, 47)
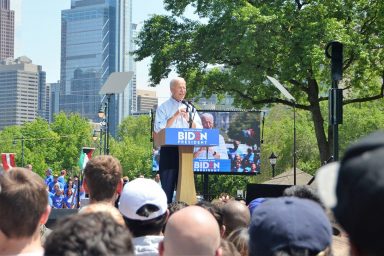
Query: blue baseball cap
(254, 203)
(288, 222)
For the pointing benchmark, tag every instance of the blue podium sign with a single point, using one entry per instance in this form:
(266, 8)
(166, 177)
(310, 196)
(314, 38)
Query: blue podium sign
(191, 137)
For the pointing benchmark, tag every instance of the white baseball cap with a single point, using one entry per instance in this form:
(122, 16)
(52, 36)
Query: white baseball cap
(138, 193)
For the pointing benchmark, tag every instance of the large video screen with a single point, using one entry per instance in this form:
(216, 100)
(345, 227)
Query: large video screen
(238, 151)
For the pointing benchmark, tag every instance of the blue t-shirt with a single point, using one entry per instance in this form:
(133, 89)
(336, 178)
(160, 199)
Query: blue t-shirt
(57, 201)
(48, 179)
(69, 201)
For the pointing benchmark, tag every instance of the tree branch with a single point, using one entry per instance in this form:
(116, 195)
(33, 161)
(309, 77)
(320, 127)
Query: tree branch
(365, 99)
(298, 84)
(269, 100)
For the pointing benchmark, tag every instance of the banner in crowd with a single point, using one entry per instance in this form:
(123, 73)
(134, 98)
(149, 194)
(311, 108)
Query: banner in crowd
(8, 160)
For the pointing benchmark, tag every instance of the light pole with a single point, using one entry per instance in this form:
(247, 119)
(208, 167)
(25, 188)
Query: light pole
(272, 161)
(104, 115)
(284, 91)
(94, 137)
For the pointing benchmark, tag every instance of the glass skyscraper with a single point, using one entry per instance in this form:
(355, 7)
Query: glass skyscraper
(95, 41)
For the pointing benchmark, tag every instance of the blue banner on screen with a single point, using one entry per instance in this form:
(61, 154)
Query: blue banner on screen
(198, 137)
(211, 165)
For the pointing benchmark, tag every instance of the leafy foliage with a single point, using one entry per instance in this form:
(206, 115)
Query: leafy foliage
(237, 43)
(133, 147)
(56, 145)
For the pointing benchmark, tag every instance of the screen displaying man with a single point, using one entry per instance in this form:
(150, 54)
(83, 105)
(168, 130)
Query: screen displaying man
(217, 152)
(173, 113)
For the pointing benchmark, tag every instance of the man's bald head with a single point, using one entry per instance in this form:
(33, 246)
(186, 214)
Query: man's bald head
(235, 215)
(191, 231)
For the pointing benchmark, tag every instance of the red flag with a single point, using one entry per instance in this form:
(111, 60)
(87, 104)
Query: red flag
(8, 160)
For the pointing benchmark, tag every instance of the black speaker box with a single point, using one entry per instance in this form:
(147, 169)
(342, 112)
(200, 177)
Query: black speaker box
(57, 214)
(264, 190)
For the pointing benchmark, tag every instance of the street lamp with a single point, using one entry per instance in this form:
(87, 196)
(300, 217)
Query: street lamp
(104, 115)
(95, 137)
(272, 161)
(101, 112)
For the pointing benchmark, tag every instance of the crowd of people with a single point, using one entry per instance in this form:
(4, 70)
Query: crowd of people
(138, 217)
(299, 222)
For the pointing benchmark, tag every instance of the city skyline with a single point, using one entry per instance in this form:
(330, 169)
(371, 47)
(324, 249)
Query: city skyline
(38, 35)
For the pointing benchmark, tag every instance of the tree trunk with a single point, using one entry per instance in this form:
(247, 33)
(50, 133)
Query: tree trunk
(318, 120)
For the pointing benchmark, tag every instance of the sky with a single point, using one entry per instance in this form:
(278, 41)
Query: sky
(38, 33)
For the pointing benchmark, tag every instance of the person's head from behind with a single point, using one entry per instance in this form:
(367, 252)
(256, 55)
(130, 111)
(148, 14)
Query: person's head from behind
(95, 233)
(143, 205)
(303, 191)
(102, 178)
(228, 248)
(216, 212)
(191, 231)
(289, 226)
(23, 203)
(354, 190)
(235, 215)
(178, 88)
(103, 207)
(207, 120)
(240, 239)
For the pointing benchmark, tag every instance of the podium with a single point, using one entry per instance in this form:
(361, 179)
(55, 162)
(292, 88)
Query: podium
(186, 139)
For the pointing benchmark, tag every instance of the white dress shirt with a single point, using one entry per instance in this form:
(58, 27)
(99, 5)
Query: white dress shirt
(166, 110)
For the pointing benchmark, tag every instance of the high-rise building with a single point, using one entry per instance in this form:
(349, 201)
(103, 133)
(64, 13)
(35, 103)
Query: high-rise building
(53, 90)
(96, 41)
(146, 100)
(7, 30)
(22, 91)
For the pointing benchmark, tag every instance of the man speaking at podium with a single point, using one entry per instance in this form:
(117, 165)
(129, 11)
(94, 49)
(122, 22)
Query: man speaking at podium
(174, 113)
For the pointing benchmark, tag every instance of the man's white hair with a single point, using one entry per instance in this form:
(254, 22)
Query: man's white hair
(207, 116)
(176, 80)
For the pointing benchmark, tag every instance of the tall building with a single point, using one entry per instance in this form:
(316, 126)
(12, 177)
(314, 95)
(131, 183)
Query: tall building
(54, 97)
(96, 40)
(22, 91)
(7, 30)
(146, 100)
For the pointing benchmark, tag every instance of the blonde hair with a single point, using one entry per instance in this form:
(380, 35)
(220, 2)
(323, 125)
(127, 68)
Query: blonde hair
(103, 207)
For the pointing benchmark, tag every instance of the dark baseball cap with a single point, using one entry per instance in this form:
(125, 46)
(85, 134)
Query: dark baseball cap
(354, 189)
(288, 222)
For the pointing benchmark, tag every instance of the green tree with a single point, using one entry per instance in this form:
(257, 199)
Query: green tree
(245, 40)
(40, 145)
(133, 146)
(74, 132)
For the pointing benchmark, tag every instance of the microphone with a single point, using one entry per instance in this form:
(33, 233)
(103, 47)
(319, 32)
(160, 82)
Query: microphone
(192, 106)
(186, 104)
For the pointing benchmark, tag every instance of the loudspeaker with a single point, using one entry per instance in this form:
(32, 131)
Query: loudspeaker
(264, 190)
(57, 214)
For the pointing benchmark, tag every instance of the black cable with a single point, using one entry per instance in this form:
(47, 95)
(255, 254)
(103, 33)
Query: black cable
(262, 129)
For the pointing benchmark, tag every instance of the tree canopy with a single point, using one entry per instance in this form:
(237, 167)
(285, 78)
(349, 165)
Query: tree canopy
(236, 44)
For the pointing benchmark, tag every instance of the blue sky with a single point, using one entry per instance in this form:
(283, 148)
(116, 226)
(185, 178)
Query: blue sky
(38, 32)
